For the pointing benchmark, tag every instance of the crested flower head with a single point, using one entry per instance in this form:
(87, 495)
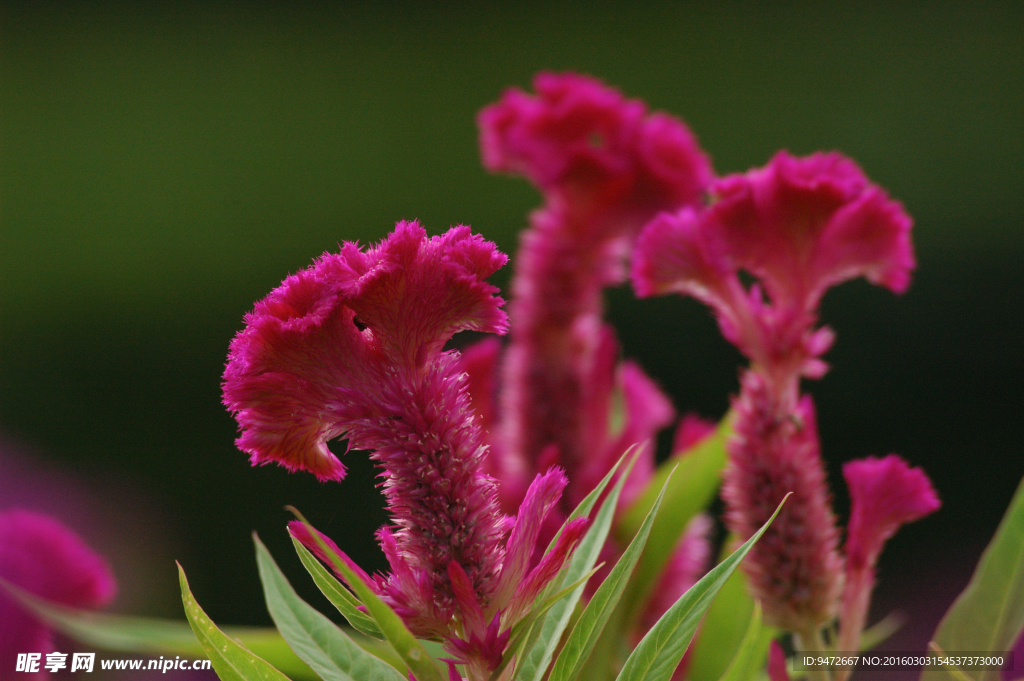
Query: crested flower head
(353, 347)
(46, 559)
(334, 349)
(885, 494)
(592, 147)
(800, 226)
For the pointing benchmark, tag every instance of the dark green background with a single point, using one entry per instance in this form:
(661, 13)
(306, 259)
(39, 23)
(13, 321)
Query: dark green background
(163, 167)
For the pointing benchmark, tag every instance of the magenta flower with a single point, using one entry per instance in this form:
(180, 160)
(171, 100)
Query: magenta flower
(799, 225)
(605, 167)
(352, 347)
(885, 494)
(48, 560)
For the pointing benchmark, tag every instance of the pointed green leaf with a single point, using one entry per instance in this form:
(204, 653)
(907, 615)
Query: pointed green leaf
(152, 635)
(231, 660)
(535, 663)
(692, 489)
(587, 505)
(753, 650)
(989, 615)
(724, 627)
(401, 639)
(592, 622)
(336, 593)
(313, 637)
(659, 652)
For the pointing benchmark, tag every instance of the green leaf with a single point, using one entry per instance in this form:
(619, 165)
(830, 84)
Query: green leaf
(753, 650)
(692, 489)
(592, 622)
(152, 635)
(337, 594)
(401, 639)
(989, 615)
(659, 652)
(313, 637)
(534, 663)
(724, 628)
(231, 660)
(587, 505)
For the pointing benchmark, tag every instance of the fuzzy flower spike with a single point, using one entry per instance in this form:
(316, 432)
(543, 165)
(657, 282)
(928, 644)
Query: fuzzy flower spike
(352, 347)
(800, 226)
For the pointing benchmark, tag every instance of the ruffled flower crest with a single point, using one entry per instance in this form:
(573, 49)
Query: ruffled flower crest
(800, 225)
(885, 494)
(334, 349)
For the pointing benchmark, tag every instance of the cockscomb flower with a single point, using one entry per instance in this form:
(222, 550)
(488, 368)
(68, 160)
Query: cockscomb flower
(46, 559)
(799, 225)
(605, 167)
(885, 494)
(353, 347)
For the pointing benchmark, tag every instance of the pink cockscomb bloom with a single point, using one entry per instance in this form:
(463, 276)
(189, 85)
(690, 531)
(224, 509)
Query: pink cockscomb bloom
(885, 494)
(46, 559)
(798, 226)
(605, 166)
(353, 347)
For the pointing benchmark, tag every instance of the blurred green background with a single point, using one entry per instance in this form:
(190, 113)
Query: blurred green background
(165, 165)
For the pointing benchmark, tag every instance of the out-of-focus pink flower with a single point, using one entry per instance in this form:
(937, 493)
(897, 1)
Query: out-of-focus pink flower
(41, 556)
(605, 166)
(800, 225)
(691, 430)
(585, 142)
(795, 569)
(885, 494)
(777, 663)
(353, 347)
